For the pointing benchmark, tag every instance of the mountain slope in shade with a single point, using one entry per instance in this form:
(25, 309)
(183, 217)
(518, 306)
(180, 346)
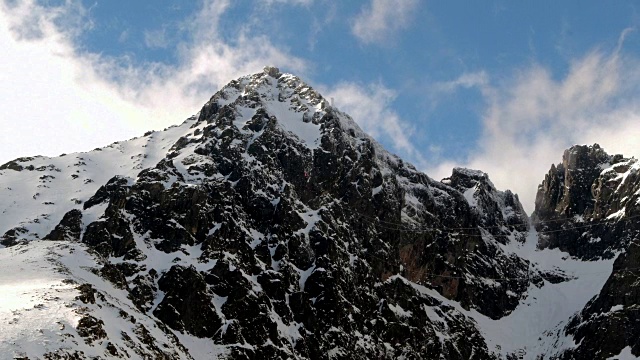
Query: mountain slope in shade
(270, 226)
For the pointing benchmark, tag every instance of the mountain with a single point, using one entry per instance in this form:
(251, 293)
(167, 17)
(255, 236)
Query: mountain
(270, 226)
(589, 207)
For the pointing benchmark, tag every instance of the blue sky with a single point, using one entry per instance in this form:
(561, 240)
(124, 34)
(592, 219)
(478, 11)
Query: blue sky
(497, 85)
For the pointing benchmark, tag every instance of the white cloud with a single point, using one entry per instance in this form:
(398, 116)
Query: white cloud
(378, 22)
(531, 119)
(63, 100)
(478, 79)
(371, 107)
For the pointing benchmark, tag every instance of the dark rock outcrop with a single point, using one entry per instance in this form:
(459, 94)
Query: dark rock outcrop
(186, 304)
(69, 228)
(12, 236)
(580, 201)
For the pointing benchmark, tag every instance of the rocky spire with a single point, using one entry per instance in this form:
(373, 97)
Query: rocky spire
(589, 186)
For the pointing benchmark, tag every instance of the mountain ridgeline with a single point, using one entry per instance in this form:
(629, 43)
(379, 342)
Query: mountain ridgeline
(270, 226)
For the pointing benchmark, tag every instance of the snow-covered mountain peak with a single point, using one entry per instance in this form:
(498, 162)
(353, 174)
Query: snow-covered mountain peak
(298, 108)
(269, 225)
(266, 106)
(270, 85)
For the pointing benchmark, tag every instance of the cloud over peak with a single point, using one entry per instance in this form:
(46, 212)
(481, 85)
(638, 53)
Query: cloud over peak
(533, 117)
(85, 99)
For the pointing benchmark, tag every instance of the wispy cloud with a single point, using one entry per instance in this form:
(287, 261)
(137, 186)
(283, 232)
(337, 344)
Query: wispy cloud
(288, 2)
(156, 39)
(321, 22)
(478, 79)
(372, 107)
(381, 19)
(532, 118)
(82, 99)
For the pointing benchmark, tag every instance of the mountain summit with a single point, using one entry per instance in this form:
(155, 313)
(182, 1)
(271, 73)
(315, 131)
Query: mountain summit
(270, 226)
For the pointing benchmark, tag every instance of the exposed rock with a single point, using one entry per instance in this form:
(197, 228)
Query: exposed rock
(566, 190)
(16, 166)
(500, 212)
(186, 306)
(112, 236)
(115, 191)
(69, 228)
(610, 321)
(12, 237)
(587, 206)
(91, 329)
(86, 294)
(580, 201)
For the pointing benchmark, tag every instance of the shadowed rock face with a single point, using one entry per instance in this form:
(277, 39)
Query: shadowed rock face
(69, 228)
(501, 213)
(186, 304)
(566, 189)
(580, 199)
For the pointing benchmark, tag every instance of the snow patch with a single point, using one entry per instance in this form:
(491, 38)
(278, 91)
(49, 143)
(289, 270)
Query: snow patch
(398, 310)
(625, 354)
(469, 196)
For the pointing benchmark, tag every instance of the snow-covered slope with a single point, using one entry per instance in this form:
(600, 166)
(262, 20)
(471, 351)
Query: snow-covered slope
(56, 303)
(270, 225)
(38, 191)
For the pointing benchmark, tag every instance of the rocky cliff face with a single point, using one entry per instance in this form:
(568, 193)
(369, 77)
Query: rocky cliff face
(269, 226)
(581, 199)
